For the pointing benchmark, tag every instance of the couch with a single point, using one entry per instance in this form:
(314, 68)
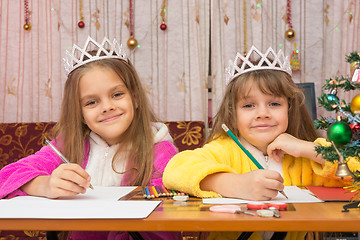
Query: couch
(18, 140)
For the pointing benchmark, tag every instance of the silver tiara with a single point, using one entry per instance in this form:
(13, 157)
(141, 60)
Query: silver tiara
(80, 56)
(268, 60)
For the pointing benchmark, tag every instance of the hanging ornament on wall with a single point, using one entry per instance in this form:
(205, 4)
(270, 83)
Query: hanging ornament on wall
(131, 42)
(81, 23)
(290, 33)
(27, 25)
(245, 27)
(295, 60)
(162, 14)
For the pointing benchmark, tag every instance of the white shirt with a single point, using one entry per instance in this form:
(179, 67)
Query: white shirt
(101, 156)
(265, 161)
(99, 164)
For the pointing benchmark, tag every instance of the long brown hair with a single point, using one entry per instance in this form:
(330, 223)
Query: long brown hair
(272, 82)
(72, 132)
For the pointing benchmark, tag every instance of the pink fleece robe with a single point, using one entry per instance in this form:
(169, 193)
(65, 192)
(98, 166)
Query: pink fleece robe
(43, 162)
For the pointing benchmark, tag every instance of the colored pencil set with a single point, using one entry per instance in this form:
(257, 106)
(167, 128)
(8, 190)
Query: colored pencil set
(159, 191)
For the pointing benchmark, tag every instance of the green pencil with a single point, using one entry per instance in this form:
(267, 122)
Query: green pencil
(227, 130)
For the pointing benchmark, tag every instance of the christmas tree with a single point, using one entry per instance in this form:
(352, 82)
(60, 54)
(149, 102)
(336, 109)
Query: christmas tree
(344, 131)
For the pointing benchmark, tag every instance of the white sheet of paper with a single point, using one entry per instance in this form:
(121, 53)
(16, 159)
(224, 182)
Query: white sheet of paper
(99, 193)
(295, 195)
(102, 202)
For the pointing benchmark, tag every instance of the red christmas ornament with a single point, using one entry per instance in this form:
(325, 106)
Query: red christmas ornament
(355, 127)
(162, 14)
(163, 26)
(81, 24)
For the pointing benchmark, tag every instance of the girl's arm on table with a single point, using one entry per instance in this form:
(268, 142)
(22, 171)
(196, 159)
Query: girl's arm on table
(15, 176)
(257, 185)
(187, 169)
(66, 180)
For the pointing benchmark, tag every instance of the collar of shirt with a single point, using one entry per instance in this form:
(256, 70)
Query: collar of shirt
(264, 160)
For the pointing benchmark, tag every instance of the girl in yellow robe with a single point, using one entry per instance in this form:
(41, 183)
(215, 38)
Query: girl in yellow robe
(264, 108)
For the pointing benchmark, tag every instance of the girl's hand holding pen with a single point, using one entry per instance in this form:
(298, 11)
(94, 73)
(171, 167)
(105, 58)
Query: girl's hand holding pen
(261, 185)
(257, 185)
(67, 180)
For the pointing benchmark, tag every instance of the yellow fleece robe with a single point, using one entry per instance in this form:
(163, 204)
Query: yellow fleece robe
(187, 169)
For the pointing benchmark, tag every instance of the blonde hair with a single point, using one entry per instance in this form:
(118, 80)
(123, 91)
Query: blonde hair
(72, 132)
(272, 82)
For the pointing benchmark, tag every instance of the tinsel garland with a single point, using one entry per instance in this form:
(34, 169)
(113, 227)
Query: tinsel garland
(340, 82)
(324, 123)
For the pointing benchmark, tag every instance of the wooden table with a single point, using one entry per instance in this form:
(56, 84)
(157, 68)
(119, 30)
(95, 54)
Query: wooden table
(194, 216)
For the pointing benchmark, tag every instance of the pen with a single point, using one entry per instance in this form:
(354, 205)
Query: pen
(227, 130)
(60, 155)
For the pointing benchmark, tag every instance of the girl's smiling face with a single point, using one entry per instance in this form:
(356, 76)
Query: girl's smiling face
(106, 103)
(261, 117)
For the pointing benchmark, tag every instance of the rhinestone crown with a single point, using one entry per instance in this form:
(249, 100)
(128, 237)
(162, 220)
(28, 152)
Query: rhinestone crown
(268, 60)
(80, 56)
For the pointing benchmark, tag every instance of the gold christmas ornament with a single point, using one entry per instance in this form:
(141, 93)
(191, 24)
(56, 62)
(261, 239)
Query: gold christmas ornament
(27, 26)
(355, 104)
(353, 66)
(132, 42)
(290, 34)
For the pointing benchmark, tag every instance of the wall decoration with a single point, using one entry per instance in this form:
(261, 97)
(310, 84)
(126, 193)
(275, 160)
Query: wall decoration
(131, 42)
(81, 23)
(290, 32)
(163, 25)
(27, 25)
(295, 59)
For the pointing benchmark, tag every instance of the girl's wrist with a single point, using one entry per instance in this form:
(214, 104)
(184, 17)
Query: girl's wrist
(310, 152)
(35, 187)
